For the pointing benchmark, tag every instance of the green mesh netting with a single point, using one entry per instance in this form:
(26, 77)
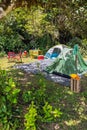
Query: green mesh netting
(69, 62)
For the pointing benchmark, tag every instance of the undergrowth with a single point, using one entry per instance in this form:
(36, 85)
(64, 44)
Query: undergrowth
(31, 102)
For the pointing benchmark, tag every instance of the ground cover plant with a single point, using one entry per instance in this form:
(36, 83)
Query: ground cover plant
(41, 104)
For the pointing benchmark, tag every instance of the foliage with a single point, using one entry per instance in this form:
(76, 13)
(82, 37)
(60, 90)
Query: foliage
(25, 30)
(39, 110)
(49, 113)
(8, 100)
(40, 93)
(83, 47)
(38, 96)
(30, 117)
(12, 43)
(57, 99)
(40, 25)
(82, 44)
(27, 96)
(2, 54)
(74, 41)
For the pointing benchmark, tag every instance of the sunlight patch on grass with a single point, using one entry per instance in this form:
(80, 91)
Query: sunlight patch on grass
(82, 99)
(72, 122)
(4, 64)
(31, 75)
(85, 74)
(70, 92)
(23, 79)
(21, 73)
(29, 83)
(82, 116)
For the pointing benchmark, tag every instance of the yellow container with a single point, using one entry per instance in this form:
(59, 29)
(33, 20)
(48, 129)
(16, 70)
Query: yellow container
(35, 53)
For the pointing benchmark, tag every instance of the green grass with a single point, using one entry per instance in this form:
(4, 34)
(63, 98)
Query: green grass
(73, 105)
(5, 64)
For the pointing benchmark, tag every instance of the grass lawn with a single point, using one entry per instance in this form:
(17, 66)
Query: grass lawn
(5, 64)
(72, 105)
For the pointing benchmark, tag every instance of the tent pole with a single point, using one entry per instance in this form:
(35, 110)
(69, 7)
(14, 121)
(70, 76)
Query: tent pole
(76, 62)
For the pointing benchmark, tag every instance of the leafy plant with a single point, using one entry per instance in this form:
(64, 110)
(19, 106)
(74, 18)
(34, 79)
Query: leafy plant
(2, 54)
(40, 94)
(27, 96)
(39, 110)
(8, 99)
(49, 113)
(30, 117)
(47, 109)
(74, 41)
(83, 47)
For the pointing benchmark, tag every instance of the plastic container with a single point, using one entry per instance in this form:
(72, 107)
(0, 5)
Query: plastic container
(40, 57)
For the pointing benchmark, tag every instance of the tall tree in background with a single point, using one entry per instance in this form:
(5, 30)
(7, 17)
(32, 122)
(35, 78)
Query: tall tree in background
(69, 18)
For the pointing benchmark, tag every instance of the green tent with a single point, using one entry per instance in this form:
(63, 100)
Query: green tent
(68, 62)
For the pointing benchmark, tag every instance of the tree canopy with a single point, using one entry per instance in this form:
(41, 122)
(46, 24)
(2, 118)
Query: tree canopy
(40, 23)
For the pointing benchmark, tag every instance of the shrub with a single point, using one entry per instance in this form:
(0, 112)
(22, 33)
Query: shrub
(74, 41)
(27, 96)
(50, 114)
(39, 110)
(83, 47)
(2, 54)
(8, 100)
(30, 117)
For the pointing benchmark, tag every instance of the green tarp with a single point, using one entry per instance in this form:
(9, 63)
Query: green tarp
(69, 62)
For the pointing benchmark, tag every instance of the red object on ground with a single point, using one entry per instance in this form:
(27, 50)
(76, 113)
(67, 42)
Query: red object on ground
(40, 57)
(25, 53)
(12, 56)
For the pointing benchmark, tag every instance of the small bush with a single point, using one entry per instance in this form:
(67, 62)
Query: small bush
(39, 110)
(8, 100)
(83, 47)
(30, 117)
(74, 41)
(2, 54)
